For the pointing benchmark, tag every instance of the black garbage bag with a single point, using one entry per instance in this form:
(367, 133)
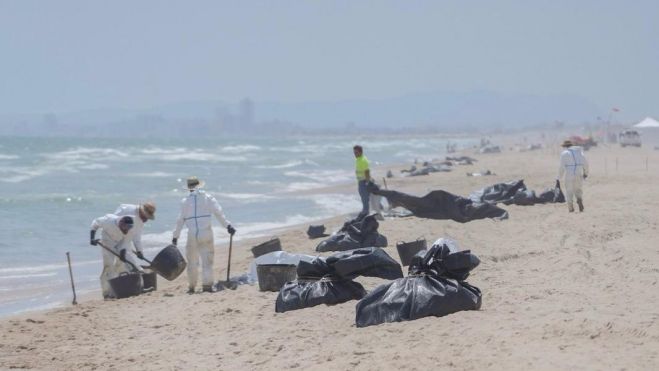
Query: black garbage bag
(500, 192)
(441, 205)
(356, 233)
(368, 262)
(552, 195)
(516, 193)
(523, 197)
(434, 287)
(329, 280)
(309, 293)
(316, 231)
(317, 268)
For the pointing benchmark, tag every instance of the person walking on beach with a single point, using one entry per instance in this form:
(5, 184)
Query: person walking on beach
(196, 214)
(114, 237)
(574, 167)
(363, 173)
(141, 214)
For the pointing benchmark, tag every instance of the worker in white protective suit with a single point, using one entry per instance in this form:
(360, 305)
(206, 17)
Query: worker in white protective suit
(574, 167)
(197, 210)
(141, 214)
(115, 232)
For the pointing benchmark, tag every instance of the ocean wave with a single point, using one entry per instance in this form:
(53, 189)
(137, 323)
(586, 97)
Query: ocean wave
(8, 157)
(154, 174)
(336, 203)
(201, 156)
(41, 268)
(303, 186)
(247, 197)
(289, 164)
(162, 151)
(243, 148)
(328, 176)
(93, 167)
(23, 276)
(85, 153)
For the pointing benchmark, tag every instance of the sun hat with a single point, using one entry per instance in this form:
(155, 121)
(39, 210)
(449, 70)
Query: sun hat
(194, 182)
(148, 209)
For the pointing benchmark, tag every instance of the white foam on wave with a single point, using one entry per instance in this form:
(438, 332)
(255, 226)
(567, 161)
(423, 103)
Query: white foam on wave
(288, 165)
(69, 161)
(243, 148)
(327, 176)
(162, 151)
(23, 276)
(247, 197)
(94, 167)
(36, 269)
(201, 156)
(154, 174)
(86, 153)
(303, 186)
(8, 157)
(336, 203)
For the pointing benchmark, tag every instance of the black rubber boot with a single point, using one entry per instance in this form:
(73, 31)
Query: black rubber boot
(207, 288)
(580, 203)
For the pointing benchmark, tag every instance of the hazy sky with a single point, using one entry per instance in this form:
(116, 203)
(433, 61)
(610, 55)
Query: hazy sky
(57, 56)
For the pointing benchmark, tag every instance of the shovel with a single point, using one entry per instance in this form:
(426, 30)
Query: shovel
(117, 255)
(221, 285)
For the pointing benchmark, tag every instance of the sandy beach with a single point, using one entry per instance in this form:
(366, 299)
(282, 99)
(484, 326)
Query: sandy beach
(560, 291)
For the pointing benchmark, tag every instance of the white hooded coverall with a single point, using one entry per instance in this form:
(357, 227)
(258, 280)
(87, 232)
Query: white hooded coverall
(135, 233)
(196, 214)
(574, 166)
(113, 238)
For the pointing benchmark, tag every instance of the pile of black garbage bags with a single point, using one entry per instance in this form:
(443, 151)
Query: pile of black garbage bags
(356, 233)
(435, 286)
(516, 193)
(441, 205)
(330, 280)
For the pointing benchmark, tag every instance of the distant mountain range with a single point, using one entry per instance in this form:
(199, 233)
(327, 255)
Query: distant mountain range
(441, 111)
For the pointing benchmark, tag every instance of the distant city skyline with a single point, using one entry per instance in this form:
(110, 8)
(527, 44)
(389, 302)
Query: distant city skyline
(69, 56)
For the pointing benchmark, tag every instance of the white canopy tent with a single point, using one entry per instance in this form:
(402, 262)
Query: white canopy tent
(647, 122)
(649, 129)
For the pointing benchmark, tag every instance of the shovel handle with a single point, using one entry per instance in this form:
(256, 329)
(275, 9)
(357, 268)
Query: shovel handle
(117, 255)
(229, 262)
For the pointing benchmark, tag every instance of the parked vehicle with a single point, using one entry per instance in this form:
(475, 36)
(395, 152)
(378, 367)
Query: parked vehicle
(629, 138)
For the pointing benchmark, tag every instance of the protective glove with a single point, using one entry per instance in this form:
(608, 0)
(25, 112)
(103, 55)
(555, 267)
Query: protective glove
(558, 184)
(140, 255)
(231, 230)
(174, 241)
(585, 176)
(122, 255)
(92, 238)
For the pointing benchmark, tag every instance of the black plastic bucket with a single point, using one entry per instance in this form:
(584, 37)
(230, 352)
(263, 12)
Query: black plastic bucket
(316, 231)
(273, 276)
(150, 280)
(126, 285)
(169, 263)
(266, 247)
(407, 250)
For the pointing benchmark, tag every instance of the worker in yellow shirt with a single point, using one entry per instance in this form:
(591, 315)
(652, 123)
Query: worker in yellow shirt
(363, 177)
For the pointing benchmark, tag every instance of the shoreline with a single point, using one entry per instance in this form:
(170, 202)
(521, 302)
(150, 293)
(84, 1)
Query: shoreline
(253, 238)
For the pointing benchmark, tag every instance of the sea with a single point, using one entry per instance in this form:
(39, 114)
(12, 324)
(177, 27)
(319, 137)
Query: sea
(52, 188)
